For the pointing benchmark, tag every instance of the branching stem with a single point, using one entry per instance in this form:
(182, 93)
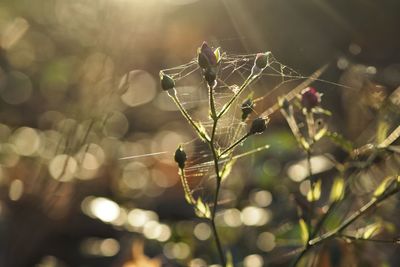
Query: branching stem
(374, 202)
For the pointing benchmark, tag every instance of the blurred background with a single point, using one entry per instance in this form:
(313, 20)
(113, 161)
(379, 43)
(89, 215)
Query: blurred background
(87, 137)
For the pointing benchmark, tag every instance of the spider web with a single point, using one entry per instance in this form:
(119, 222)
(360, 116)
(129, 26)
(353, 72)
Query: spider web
(192, 92)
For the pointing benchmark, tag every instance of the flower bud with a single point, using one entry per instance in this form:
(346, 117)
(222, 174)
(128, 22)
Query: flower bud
(167, 82)
(247, 108)
(206, 57)
(210, 75)
(258, 126)
(261, 60)
(310, 98)
(180, 157)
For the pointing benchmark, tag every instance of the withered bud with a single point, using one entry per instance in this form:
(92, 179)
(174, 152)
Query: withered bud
(180, 157)
(167, 82)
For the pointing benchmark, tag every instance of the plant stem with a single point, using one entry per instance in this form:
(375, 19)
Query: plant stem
(310, 124)
(201, 133)
(240, 140)
(383, 241)
(310, 178)
(211, 144)
(310, 215)
(241, 89)
(186, 188)
(331, 234)
(214, 227)
(364, 209)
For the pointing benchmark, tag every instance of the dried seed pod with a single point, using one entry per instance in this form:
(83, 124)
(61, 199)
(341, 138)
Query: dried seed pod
(167, 82)
(310, 98)
(180, 157)
(258, 126)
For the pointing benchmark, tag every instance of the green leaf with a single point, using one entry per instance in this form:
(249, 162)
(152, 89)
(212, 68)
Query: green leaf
(337, 190)
(303, 231)
(339, 140)
(383, 186)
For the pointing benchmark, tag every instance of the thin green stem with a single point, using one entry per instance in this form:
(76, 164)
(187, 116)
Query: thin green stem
(312, 182)
(211, 144)
(246, 83)
(310, 124)
(214, 227)
(196, 127)
(383, 241)
(240, 140)
(335, 233)
(213, 112)
(186, 188)
(310, 215)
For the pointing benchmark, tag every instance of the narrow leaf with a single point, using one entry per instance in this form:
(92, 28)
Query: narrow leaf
(303, 231)
(339, 140)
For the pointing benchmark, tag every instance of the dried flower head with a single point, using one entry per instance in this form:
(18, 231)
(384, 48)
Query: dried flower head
(180, 157)
(310, 98)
